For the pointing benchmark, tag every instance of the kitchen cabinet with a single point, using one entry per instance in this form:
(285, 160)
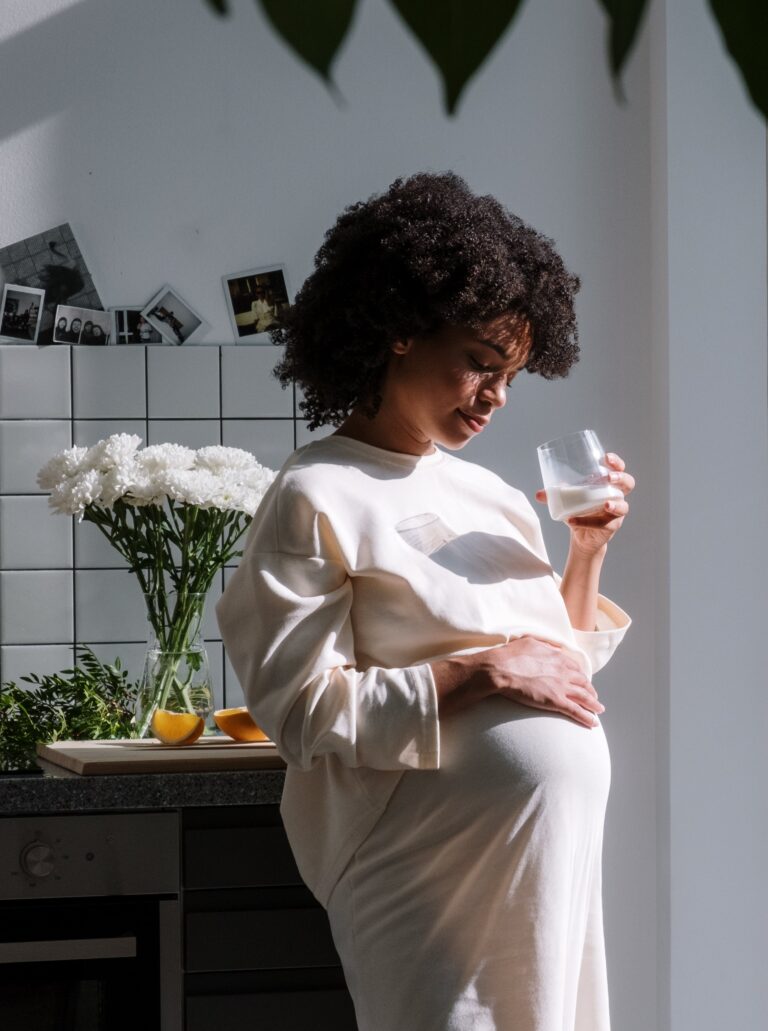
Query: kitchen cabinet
(258, 949)
(240, 940)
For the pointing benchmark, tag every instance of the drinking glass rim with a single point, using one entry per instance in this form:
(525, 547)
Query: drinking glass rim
(549, 445)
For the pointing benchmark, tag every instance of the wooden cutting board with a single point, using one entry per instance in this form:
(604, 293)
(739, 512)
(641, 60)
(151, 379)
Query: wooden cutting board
(149, 755)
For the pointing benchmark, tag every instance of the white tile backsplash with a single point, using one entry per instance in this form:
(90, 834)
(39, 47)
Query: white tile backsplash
(32, 535)
(109, 606)
(90, 431)
(109, 382)
(92, 549)
(17, 661)
(192, 433)
(34, 382)
(25, 446)
(183, 383)
(233, 692)
(270, 440)
(248, 388)
(36, 607)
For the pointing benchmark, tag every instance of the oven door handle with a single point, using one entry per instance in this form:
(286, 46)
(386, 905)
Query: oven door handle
(121, 947)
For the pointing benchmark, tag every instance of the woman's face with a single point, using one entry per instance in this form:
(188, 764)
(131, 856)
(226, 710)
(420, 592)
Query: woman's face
(75, 325)
(445, 388)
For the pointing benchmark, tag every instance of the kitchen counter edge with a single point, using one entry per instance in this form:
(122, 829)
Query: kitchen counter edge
(59, 791)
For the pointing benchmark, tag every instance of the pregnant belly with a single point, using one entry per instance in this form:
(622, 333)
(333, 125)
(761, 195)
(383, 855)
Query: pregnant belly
(500, 745)
(501, 764)
(515, 784)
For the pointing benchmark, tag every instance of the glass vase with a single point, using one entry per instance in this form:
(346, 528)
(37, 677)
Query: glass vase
(176, 681)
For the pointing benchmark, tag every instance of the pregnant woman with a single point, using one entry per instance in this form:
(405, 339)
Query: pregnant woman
(400, 634)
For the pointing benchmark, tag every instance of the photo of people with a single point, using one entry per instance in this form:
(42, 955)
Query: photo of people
(21, 310)
(52, 262)
(132, 328)
(254, 299)
(82, 326)
(173, 318)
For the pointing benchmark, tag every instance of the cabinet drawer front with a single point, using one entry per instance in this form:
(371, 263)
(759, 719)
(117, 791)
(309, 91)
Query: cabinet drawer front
(238, 857)
(281, 1011)
(259, 940)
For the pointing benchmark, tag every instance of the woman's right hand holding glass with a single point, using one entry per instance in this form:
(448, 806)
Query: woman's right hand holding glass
(529, 669)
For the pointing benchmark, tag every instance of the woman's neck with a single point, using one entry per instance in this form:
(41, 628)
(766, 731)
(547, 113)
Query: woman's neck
(382, 434)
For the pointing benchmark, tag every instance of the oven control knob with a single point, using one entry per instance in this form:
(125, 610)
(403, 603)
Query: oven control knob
(37, 859)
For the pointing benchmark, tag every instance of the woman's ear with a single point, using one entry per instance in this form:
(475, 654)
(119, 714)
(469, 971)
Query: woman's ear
(402, 346)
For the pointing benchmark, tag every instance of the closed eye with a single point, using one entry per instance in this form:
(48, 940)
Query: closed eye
(489, 368)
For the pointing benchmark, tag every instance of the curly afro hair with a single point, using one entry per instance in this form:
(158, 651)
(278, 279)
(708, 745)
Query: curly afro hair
(424, 253)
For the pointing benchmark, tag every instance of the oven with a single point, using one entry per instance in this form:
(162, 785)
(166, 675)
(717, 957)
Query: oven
(90, 923)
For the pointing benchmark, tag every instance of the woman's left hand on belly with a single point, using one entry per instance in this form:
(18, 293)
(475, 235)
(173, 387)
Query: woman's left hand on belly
(590, 533)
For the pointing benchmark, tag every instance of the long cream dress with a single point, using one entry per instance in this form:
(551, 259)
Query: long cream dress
(459, 858)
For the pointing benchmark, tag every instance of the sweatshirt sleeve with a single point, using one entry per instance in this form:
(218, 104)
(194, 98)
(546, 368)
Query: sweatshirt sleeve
(285, 619)
(600, 643)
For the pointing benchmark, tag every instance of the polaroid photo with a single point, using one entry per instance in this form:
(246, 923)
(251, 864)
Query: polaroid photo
(82, 326)
(173, 318)
(132, 328)
(51, 261)
(254, 300)
(21, 311)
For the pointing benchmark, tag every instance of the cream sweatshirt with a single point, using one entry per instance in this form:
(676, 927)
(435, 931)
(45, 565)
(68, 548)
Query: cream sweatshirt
(360, 567)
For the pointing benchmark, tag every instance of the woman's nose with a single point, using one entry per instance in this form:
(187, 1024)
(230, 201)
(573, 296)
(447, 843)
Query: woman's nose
(495, 391)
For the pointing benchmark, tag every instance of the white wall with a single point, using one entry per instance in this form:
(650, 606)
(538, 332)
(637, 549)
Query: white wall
(710, 333)
(181, 147)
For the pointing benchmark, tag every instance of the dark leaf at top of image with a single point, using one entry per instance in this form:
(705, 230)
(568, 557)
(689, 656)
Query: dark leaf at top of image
(458, 35)
(624, 18)
(744, 28)
(315, 31)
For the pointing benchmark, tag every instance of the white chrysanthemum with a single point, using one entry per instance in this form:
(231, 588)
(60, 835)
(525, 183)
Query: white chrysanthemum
(72, 495)
(144, 490)
(224, 459)
(157, 459)
(192, 486)
(115, 451)
(117, 482)
(63, 465)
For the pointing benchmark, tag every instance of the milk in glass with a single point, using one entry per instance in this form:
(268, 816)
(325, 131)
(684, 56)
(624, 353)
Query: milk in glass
(566, 500)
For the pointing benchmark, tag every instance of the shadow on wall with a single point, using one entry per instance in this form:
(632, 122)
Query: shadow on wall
(77, 57)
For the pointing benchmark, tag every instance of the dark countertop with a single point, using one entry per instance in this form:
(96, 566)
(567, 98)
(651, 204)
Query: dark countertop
(57, 790)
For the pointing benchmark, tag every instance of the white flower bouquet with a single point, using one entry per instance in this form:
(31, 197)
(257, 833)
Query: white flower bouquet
(176, 516)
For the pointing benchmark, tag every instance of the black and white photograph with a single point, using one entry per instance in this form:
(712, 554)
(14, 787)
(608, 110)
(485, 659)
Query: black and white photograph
(173, 318)
(82, 326)
(130, 327)
(50, 261)
(254, 300)
(21, 310)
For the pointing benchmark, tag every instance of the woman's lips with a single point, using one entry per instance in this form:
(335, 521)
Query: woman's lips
(476, 425)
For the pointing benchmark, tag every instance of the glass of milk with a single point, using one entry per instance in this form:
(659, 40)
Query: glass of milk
(574, 475)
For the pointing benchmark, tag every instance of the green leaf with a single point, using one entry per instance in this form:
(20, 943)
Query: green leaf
(458, 35)
(744, 27)
(314, 30)
(624, 17)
